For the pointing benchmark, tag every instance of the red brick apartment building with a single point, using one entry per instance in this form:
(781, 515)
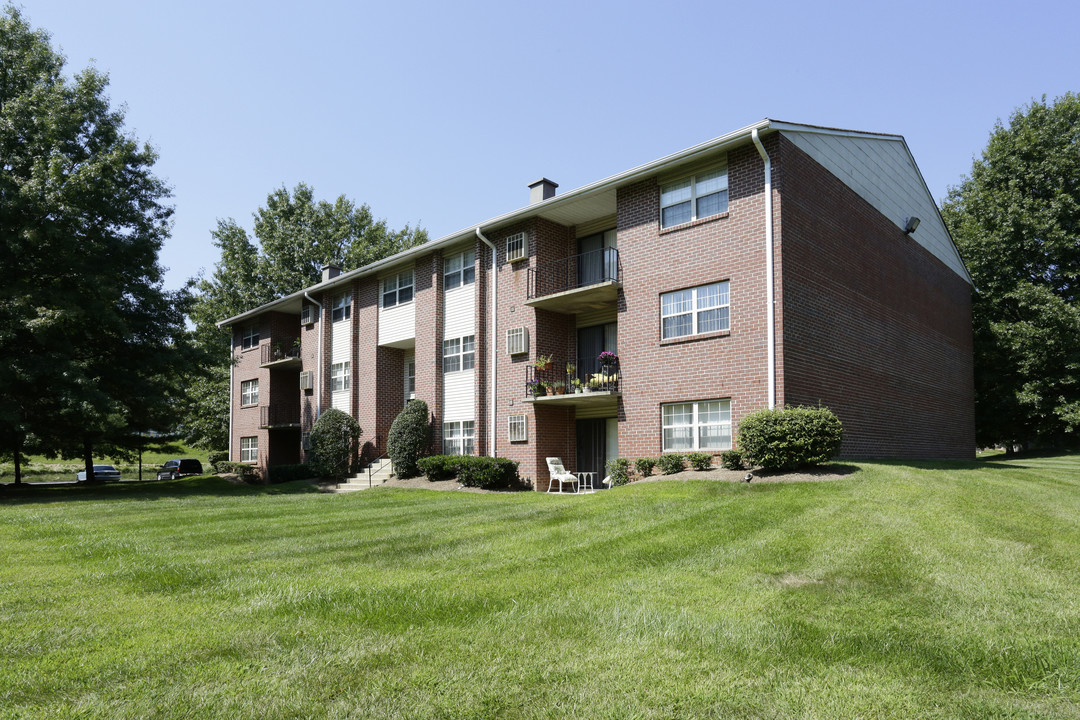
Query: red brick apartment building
(674, 266)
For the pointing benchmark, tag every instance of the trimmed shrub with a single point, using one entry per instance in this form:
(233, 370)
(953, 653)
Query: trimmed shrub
(670, 463)
(731, 460)
(247, 473)
(409, 438)
(645, 466)
(790, 438)
(700, 460)
(487, 472)
(439, 467)
(619, 471)
(217, 456)
(289, 473)
(333, 443)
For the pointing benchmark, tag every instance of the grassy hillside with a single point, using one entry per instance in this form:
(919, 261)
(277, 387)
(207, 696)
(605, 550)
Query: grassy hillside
(900, 591)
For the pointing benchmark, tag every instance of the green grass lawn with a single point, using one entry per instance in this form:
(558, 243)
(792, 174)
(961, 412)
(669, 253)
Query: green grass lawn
(948, 590)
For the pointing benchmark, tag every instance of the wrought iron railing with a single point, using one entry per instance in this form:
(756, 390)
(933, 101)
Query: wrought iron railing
(583, 375)
(286, 349)
(576, 271)
(278, 416)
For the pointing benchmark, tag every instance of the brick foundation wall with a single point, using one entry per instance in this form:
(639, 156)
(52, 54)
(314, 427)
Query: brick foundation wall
(875, 327)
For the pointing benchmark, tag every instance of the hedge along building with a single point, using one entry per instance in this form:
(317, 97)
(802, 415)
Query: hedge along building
(777, 264)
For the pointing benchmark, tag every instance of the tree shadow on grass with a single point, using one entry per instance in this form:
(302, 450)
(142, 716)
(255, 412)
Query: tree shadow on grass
(202, 486)
(1002, 462)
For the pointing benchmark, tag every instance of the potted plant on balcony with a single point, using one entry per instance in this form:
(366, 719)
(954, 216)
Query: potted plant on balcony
(542, 362)
(558, 387)
(536, 388)
(577, 385)
(278, 352)
(607, 359)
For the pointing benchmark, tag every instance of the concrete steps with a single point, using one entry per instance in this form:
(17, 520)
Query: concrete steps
(359, 481)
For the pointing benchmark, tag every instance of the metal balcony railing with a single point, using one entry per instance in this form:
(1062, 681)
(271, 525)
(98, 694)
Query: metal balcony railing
(576, 271)
(587, 374)
(272, 416)
(283, 349)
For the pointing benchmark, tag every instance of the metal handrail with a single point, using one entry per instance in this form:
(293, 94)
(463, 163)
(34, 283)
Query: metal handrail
(589, 371)
(267, 352)
(381, 465)
(576, 271)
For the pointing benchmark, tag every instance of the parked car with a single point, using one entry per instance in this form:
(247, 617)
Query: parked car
(179, 467)
(101, 472)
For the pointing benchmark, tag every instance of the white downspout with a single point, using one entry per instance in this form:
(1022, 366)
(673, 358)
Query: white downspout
(318, 345)
(232, 371)
(493, 339)
(769, 282)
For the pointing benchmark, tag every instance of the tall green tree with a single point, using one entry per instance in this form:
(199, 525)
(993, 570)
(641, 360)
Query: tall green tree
(1016, 219)
(294, 236)
(90, 339)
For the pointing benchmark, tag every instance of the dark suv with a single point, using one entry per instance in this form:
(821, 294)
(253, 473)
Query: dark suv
(173, 469)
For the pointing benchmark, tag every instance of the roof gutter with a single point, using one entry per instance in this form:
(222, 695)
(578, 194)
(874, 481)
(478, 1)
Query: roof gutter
(769, 280)
(492, 338)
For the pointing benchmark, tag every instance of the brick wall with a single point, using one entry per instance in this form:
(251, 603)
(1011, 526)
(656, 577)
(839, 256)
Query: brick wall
(719, 365)
(875, 327)
(429, 322)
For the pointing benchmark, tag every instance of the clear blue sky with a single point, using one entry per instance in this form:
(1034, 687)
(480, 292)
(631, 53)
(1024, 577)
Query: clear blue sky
(441, 113)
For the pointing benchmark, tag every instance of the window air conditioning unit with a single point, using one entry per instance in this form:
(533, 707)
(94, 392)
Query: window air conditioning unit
(307, 380)
(305, 441)
(517, 341)
(307, 315)
(516, 248)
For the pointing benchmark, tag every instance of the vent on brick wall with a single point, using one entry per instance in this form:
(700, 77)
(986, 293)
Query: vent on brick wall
(517, 341)
(307, 315)
(515, 247)
(307, 380)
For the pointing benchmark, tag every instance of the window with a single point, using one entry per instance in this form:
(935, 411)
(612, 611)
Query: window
(694, 198)
(342, 309)
(517, 341)
(694, 311)
(249, 449)
(459, 354)
(410, 380)
(459, 270)
(339, 376)
(459, 437)
(250, 337)
(249, 392)
(397, 289)
(515, 247)
(703, 425)
(518, 428)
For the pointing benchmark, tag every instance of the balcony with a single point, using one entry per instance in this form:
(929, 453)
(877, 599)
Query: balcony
(576, 284)
(284, 353)
(589, 383)
(272, 417)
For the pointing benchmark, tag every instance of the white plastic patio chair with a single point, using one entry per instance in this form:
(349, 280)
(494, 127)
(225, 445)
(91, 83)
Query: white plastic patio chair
(560, 475)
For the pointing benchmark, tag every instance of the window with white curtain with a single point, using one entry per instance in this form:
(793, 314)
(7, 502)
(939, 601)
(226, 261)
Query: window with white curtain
(694, 311)
(701, 425)
(249, 392)
(339, 376)
(459, 437)
(694, 198)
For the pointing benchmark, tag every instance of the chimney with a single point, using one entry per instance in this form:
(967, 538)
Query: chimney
(329, 272)
(541, 190)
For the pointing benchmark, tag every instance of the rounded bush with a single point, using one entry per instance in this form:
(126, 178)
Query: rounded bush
(645, 466)
(619, 471)
(700, 460)
(409, 438)
(731, 460)
(670, 463)
(333, 441)
(790, 438)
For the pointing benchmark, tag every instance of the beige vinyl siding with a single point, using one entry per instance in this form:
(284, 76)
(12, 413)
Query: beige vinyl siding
(341, 351)
(459, 311)
(459, 395)
(397, 324)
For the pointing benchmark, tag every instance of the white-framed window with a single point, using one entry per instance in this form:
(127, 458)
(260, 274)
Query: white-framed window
(249, 392)
(515, 247)
(701, 425)
(459, 437)
(517, 428)
(459, 354)
(397, 289)
(339, 376)
(410, 380)
(249, 449)
(459, 270)
(517, 341)
(694, 198)
(694, 311)
(342, 308)
(250, 337)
